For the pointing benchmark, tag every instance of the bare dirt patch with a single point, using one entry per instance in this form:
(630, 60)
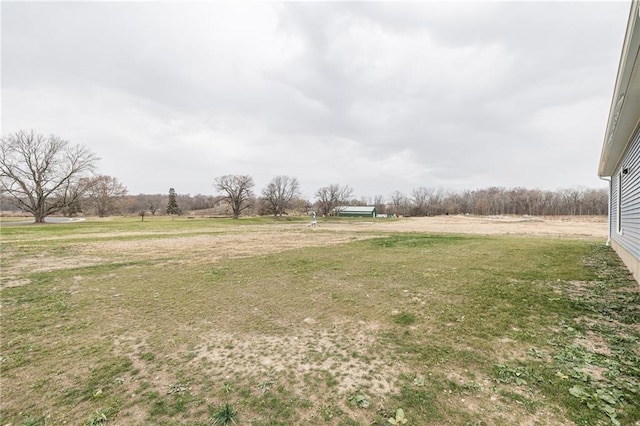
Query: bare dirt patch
(219, 246)
(313, 354)
(194, 249)
(14, 282)
(560, 226)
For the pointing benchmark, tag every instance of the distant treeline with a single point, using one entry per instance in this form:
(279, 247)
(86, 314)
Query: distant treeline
(421, 201)
(500, 201)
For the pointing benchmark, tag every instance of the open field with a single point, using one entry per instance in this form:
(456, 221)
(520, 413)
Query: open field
(455, 320)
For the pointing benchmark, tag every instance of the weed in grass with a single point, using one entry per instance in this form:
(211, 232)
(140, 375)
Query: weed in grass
(603, 399)
(420, 380)
(398, 418)
(101, 417)
(359, 400)
(599, 364)
(521, 375)
(536, 353)
(224, 415)
(264, 386)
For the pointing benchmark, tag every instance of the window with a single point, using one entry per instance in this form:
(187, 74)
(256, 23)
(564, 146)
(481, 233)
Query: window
(619, 204)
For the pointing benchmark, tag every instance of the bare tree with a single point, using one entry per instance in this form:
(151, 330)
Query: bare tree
(104, 192)
(43, 174)
(362, 201)
(437, 203)
(200, 201)
(595, 201)
(73, 207)
(399, 202)
(421, 197)
(279, 193)
(325, 203)
(573, 199)
(237, 191)
(332, 196)
(302, 205)
(150, 203)
(153, 203)
(523, 201)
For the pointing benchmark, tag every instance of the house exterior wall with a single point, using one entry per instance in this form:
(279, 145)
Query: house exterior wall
(620, 158)
(624, 208)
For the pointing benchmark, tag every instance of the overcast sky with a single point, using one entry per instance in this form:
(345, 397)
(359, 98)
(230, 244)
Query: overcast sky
(380, 96)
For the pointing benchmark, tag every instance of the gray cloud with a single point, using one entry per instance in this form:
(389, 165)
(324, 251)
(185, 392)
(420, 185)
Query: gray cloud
(380, 96)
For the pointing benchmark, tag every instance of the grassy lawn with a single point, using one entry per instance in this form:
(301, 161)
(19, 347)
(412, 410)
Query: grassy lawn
(270, 322)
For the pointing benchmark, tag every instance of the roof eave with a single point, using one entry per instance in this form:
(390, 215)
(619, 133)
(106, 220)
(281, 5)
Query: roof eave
(624, 114)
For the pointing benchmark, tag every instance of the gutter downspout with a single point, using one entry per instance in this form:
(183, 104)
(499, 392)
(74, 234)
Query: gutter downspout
(608, 210)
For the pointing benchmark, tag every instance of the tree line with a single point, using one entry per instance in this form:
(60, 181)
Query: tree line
(425, 201)
(419, 202)
(46, 175)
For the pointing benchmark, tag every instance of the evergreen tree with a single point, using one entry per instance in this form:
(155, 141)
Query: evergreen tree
(172, 205)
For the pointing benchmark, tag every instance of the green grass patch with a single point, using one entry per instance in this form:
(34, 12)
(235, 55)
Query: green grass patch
(444, 329)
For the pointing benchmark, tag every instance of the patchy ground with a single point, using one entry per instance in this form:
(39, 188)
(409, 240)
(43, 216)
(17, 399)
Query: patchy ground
(561, 226)
(164, 326)
(234, 242)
